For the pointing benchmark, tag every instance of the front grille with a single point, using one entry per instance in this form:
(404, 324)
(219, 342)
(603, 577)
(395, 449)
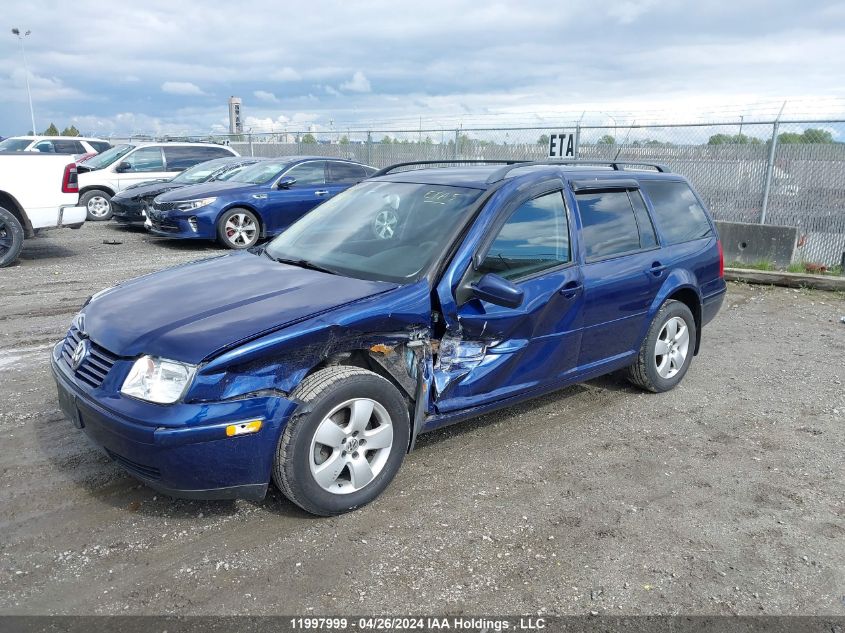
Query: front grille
(97, 363)
(142, 470)
(164, 206)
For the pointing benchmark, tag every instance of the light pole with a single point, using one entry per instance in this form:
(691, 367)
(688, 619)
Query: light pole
(17, 32)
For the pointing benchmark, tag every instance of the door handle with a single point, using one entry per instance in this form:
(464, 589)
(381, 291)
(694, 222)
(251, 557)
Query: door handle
(321, 192)
(571, 289)
(657, 269)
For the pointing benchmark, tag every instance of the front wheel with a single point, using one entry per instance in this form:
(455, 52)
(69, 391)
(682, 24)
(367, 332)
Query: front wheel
(238, 229)
(667, 351)
(346, 446)
(11, 238)
(97, 203)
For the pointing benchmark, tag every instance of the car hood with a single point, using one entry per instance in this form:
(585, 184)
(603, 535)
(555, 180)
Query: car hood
(190, 312)
(148, 189)
(208, 189)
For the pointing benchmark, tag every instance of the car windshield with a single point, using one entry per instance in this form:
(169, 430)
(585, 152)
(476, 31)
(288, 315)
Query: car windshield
(15, 144)
(108, 157)
(262, 172)
(388, 231)
(201, 172)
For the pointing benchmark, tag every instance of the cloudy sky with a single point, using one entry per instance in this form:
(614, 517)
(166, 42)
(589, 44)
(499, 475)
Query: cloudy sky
(169, 67)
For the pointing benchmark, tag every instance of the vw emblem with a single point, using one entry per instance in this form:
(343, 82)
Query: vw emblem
(352, 444)
(79, 354)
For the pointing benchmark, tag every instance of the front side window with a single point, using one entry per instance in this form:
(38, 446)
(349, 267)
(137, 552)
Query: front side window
(44, 146)
(678, 213)
(145, 159)
(608, 225)
(261, 172)
(534, 238)
(108, 157)
(310, 174)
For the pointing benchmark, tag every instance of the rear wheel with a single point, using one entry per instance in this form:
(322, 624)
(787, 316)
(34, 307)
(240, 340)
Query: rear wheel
(346, 446)
(238, 228)
(11, 238)
(97, 203)
(667, 351)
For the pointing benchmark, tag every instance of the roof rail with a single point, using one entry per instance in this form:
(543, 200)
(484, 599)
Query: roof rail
(500, 174)
(504, 161)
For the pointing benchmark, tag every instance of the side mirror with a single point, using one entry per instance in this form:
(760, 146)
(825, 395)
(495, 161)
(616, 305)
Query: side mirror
(497, 290)
(124, 166)
(286, 183)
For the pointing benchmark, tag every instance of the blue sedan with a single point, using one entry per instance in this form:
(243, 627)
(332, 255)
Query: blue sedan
(259, 202)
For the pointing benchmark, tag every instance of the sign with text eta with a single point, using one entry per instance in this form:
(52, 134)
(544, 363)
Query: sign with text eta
(562, 145)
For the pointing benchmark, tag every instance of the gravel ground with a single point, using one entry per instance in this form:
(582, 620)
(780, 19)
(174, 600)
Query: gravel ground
(723, 496)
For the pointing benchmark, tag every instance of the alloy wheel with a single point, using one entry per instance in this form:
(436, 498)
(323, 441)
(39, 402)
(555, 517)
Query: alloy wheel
(672, 347)
(240, 229)
(351, 446)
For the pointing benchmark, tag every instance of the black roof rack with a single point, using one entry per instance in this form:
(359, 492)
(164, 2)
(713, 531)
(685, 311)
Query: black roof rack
(499, 174)
(469, 161)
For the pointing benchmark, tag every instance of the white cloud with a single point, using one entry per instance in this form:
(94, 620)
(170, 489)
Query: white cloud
(332, 91)
(42, 88)
(358, 83)
(285, 74)
(181, 88)
(263, 95)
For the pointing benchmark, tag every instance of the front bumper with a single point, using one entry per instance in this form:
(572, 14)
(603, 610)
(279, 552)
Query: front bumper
(127, 211)
(181, 450)
(181, 226)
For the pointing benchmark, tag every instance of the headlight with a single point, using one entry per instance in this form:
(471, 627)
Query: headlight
(190, 205)
(158, 380)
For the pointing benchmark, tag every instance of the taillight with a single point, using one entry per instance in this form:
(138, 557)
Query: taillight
(721, 259)
(70, 179)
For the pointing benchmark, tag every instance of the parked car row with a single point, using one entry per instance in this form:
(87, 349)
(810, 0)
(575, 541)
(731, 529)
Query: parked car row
(127, 164)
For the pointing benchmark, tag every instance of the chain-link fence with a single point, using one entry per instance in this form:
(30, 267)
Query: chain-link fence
(774, 172)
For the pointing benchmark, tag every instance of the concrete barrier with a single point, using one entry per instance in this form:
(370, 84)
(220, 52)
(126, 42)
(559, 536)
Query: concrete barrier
(752, 243)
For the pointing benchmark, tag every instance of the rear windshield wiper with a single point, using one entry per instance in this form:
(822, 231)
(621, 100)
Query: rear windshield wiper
(302, 263)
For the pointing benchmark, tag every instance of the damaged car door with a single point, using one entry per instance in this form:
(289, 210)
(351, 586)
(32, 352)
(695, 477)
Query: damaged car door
(499, 349)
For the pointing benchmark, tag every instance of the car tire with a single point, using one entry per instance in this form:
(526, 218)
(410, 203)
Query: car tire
(342, 407)
(98, 204)
(667, 351)
(11, 238)
(238, 229)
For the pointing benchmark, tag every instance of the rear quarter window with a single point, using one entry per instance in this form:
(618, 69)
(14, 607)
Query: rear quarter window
(677, 212)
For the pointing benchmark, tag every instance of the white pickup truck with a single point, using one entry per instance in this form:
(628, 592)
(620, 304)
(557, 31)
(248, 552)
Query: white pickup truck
(37, 191)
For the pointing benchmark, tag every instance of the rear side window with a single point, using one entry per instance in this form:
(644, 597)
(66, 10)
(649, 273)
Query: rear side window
(534, 238)
(345, 173)
(609, 226)
(647, 237)
(679, 215)
(99, 146)
(68, 147)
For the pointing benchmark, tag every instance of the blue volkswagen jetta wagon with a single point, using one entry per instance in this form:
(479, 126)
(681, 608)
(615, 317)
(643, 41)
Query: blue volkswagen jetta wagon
(420, 297)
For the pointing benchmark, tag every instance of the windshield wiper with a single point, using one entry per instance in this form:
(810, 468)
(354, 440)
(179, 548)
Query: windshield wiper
(302, 263)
